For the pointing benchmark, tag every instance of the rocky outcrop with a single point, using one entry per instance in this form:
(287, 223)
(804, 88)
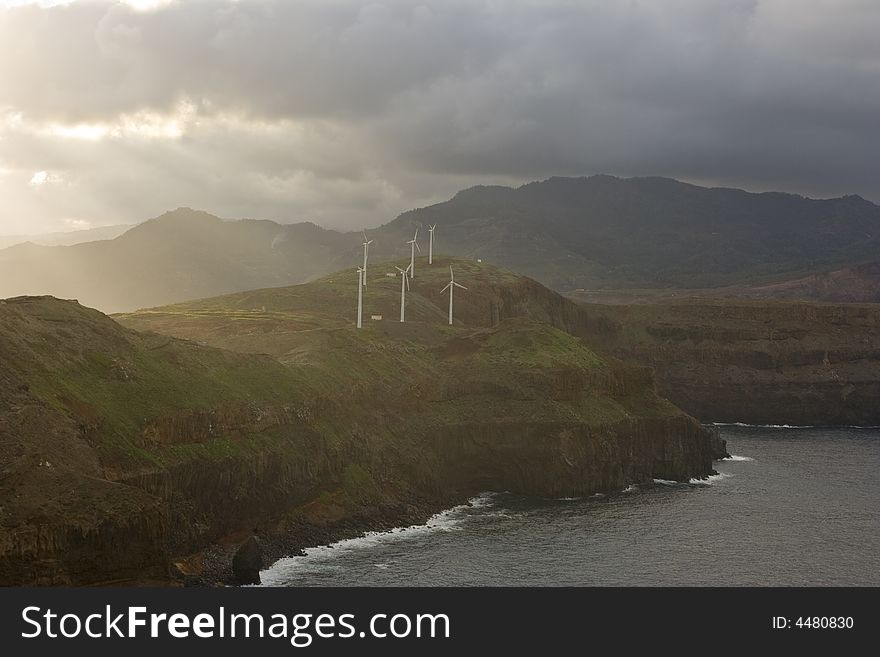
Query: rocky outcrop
(717, 445)
(248, 562)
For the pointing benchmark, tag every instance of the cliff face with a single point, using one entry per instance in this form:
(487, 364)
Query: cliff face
(755, 362)
(125, 450)
(567, 458)
(61, 522)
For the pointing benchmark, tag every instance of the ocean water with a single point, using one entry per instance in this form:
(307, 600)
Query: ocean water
(794, 506)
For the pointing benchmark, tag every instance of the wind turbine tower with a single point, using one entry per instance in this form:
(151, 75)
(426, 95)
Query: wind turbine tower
(404, 286)
(362, 273)
(366, 249)
(413, 245)
(451, 285)
(431, 244)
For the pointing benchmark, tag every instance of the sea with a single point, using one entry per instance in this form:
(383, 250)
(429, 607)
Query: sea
(794, 506)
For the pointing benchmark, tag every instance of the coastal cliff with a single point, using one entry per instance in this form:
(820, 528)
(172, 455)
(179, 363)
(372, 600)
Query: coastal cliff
(128, 455)
(758, 362)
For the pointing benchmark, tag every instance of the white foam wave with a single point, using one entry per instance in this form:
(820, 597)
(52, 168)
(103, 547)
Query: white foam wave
(666, 482)
(765, 426)
(711, 479)
(735, 457)
(449, 520)
(483, 499)
(631, 488)
(793, 426)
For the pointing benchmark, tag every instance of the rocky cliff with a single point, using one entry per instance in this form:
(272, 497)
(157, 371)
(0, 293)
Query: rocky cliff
(127, 454)
(755, 362)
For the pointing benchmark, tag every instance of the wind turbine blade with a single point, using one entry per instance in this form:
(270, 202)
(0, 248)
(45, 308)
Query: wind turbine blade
(402, 271)
(370, 242)
(448, 285)
(458, 285)
(416, 236)
(406, 278)
(365, 235)
(418, 248)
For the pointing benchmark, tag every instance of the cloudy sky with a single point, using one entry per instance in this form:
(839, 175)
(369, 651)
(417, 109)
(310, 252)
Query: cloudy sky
(346, 112)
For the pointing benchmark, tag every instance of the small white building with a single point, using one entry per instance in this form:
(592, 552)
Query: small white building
(376, 318)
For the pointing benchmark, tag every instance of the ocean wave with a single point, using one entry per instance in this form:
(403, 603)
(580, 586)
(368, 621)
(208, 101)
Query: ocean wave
(483, 499)
(631, 488)
(449, 520)
(711, 479)
(735, 457)
(765, 426)
(793, 426)
(666, 482)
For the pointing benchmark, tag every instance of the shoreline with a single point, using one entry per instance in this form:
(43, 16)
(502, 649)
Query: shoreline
(214, 563)
(295, 538)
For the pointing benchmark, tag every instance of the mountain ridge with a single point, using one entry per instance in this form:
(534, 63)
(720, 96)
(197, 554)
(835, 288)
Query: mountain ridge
(597, 232)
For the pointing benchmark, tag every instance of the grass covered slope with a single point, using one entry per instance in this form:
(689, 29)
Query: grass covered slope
(111, 380)
(86, 408)
(127, 448)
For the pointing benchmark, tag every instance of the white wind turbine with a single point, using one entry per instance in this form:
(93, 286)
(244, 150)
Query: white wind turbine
(366, 249)
(431, 244)
(404, 286)
(413, 245)
(362, 273)
(451, 286)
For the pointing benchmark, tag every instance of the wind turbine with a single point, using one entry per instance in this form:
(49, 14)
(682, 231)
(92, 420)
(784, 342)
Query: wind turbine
(431, 244)
(413, 245)
(366, 248)
(451, 285)
(361, 276)
(404, 286)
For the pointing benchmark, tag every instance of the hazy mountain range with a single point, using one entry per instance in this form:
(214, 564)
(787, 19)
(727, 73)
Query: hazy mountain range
(569, 233)
(67, 238)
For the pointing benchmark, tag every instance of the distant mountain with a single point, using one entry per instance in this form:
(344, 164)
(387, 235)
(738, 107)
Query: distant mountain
(603, 231)
(66, 238)
(568, 233)
(181, 255)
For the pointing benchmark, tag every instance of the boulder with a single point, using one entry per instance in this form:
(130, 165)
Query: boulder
(248, 562)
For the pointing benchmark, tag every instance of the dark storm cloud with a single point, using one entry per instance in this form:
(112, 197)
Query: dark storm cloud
(346, 113)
